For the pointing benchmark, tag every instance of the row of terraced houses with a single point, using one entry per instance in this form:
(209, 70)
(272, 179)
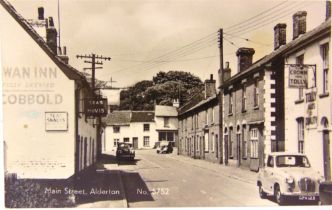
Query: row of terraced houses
(262, 111)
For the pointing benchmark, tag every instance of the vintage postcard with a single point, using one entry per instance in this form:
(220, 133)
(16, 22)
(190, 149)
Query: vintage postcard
(166, 103)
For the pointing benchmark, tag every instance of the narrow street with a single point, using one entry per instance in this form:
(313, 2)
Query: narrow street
(165, 180)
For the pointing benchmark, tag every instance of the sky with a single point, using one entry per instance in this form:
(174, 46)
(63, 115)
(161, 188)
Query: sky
(144, 37)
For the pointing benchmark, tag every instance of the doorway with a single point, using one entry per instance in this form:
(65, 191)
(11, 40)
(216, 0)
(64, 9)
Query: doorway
(326, 155)
(135, 142)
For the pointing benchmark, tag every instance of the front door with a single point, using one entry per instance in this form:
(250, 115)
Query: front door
(326, 155)
(238, 148)
(135, 142)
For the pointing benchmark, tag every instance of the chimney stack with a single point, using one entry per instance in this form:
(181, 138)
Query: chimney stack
(227, 72)
(41, 13)
(210, 87)
(279, 35)
(51, 36)
(299, 23)
(244, 57)
(328, 9)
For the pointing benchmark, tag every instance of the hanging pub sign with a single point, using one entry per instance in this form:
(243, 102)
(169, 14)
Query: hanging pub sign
(298, 75)
(95, 107)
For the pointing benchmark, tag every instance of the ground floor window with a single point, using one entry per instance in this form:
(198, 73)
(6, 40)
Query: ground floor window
(126, 140)
(244, 143)
(212, 142)
(146, 141)
(115, 142)
(254, 143)
(230, 142)
(166, 136)
(300, 134)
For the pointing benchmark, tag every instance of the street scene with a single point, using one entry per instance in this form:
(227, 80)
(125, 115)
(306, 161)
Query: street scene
(131, 104)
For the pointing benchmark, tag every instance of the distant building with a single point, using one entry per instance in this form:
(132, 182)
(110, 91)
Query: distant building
(135, 127)
(166, 118)
(140, 128)
(46, 133)
(199, 125)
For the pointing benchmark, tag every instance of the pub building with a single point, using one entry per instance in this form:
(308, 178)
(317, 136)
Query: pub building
(47, 135)
(281, 102)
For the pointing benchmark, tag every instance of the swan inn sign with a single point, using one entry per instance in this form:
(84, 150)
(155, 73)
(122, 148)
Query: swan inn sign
(95, 107)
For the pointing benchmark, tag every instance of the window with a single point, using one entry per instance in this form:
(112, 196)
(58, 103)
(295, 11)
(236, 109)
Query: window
(300, 134)
(230, 110)
(212, 120)
(166, 122)
(126, 140)
(230, 140)
(254, 143)
(206, 117)
(206, 142)
(216, 145)
(256, 94)
(115, 142)
(244, 98)
(146, 141)
(192, 123)
(116, 129)
(325, 57)
(244, 143)
(300, 60)
(146, 127)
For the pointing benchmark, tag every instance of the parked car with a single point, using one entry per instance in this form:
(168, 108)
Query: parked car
(325, 193)
(164, 147)
(289, 175)
(125, 150)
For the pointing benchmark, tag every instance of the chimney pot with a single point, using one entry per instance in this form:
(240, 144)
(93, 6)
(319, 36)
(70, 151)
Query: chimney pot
(279, 35)
(64, 50)
(41, 13)
(328, 9)
(227, 65)
(299, 23)
(211, 77)
(244, 57)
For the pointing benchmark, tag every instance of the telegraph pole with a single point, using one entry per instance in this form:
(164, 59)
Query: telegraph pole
(94, 60)
(221, 115)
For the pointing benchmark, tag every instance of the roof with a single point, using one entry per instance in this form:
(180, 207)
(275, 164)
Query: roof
(165, 111)
(322, 30)
(198, 104)
(142, 116)
(118, 118)
(68, 70)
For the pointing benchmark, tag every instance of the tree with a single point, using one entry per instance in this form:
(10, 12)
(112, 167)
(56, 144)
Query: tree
(165, 87)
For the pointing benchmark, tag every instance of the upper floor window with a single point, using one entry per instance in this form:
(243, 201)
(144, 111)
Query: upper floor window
(206, 117)
(146, 127)
(256, 94)
(244, 98)
(230, 104)
(166, 122)
(326, 60)
(300, 60)
(116, 129)
(213, 110)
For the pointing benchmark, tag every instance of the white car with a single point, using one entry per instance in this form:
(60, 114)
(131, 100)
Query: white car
(289, 175)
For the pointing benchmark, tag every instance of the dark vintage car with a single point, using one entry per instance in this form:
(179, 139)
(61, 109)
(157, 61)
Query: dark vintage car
(325, 193)
(125, 150)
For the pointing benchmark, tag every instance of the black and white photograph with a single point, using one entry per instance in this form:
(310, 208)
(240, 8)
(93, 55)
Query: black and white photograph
(165, 103)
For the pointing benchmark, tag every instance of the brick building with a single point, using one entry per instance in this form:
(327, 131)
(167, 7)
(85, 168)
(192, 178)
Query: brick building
(199, 125)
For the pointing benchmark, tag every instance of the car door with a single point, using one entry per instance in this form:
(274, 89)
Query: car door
(268, 174)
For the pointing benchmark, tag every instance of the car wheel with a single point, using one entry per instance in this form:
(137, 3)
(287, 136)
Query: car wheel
(262, 194)
(278, 196)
